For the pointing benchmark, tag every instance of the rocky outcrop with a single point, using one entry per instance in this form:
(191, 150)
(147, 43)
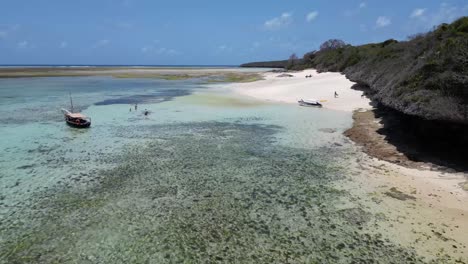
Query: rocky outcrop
(425, 77)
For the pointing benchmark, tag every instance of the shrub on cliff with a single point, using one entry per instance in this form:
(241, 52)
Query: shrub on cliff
(332, 44)
(433, 64)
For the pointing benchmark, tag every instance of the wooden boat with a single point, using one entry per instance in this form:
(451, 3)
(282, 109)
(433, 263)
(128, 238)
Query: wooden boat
(309, 102)
(77, 120)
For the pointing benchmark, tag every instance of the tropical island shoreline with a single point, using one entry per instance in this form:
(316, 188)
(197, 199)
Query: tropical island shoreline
(384, 174)
(269, 85)
(417, 87)
(383, 183)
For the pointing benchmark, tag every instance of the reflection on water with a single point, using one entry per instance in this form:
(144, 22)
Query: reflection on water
(204, 178)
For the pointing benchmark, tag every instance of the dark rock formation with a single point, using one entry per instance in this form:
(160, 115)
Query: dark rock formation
(426, 76)
(421, 86)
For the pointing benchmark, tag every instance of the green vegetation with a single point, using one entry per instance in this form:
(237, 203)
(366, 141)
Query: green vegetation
(267, 64)
(426, 76)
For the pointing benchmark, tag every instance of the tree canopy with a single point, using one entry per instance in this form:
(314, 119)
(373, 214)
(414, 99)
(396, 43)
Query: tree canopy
(332, 44)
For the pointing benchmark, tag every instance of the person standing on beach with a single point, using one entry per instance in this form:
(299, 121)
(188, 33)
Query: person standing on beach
(336, 95)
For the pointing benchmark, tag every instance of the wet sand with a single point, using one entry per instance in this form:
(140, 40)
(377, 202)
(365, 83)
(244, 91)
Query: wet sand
(385, 211)
(419, 204)
(422, 205)
(230, 74)
(425, 210)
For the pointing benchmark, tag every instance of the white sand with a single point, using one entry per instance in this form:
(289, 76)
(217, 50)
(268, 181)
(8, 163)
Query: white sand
(321, 86)
(435, 221)
(440, 205)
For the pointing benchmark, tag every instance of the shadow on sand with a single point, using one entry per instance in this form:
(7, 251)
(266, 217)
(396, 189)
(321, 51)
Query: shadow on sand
(439, 142)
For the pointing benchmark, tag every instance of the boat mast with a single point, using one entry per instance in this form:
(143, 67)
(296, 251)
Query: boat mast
(71, 102)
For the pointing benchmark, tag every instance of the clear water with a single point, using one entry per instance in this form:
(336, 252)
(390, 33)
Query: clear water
(206, 177)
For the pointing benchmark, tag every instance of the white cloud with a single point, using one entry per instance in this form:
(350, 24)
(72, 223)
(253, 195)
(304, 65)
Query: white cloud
(447, 13)
(355, 11)
(224, 48)
(418, 12)
(161, 50)
(150, 49)
(279, 22)
(383, 21)
(311, 16)
(23, 44)
(63, 44)
(423, 19)
(6, 30)
(101, 43)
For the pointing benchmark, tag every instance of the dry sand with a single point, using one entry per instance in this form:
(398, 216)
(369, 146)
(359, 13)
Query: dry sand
(321, 86)
(417, 207)
(432, 214)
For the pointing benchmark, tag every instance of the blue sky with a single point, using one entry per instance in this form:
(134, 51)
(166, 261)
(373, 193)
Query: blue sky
(202, 32)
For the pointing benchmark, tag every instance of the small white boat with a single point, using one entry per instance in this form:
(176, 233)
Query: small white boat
(309, 102)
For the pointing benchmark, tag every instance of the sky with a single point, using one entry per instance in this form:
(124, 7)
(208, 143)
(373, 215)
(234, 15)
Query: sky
(202, 32)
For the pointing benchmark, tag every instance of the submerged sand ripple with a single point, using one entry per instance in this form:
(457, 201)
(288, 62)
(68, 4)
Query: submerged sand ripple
(204, 193)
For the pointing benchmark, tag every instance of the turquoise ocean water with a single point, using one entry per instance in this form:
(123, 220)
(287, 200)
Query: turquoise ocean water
(206, 177)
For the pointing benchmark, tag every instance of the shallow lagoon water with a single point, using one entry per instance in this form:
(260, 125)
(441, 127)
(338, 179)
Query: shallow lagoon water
(194, 182)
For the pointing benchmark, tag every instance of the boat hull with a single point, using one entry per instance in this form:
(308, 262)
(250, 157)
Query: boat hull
(78, 125)
(310, 105)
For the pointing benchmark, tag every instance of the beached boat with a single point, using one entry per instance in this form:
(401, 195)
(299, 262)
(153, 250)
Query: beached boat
(309, 102)
(77, 120)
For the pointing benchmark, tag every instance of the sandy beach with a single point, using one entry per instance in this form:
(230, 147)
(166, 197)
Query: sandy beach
(423, 209)
(424, 204)
(382, 205)
(321, 87)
